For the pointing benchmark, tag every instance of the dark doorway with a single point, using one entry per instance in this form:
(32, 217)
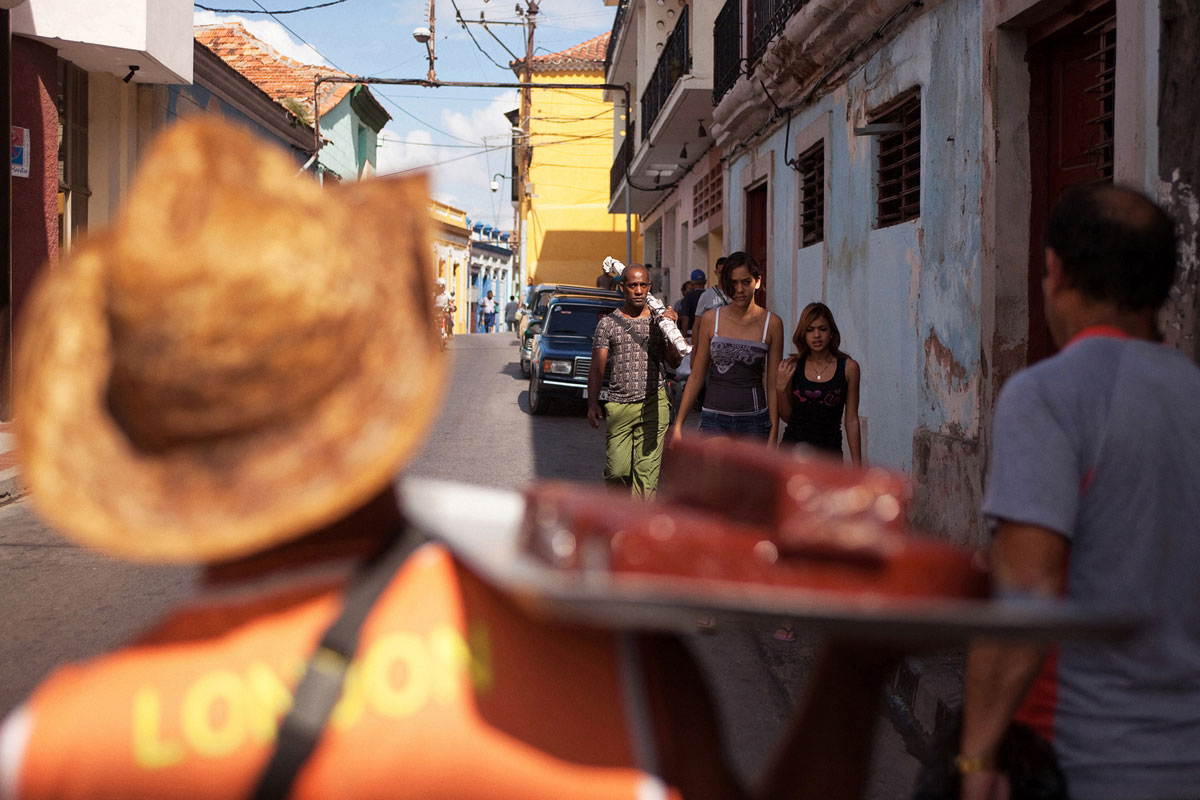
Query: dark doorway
(756, 235)
(1072, 73)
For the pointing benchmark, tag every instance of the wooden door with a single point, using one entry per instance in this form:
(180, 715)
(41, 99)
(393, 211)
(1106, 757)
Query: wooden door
(1070, 134)
(756, 235)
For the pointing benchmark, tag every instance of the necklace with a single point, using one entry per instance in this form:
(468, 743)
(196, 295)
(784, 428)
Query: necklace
(822, 370)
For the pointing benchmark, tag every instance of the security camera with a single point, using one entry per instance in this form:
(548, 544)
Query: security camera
(422, 35)
(495, 186)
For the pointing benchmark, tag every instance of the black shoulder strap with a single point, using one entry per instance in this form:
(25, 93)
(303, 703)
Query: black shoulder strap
(638, 339)
(321, 686)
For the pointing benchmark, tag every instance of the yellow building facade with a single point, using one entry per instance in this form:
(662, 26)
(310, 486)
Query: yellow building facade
(451, 242)
(568, 229)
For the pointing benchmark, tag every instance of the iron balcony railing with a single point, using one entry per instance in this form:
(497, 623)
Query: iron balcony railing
(727, 49)
(618, 22)
(624, 157)
(673, 64)
(767, 18)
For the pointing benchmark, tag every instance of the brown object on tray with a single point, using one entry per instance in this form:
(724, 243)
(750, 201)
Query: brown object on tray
(822, 526)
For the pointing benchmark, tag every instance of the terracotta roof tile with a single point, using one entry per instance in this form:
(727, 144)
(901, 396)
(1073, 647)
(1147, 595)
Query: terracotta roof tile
(278, 75)
(587, 55)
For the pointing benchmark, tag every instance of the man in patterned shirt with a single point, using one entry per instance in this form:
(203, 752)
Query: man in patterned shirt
(632, 349)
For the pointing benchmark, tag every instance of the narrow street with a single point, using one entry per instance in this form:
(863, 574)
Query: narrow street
(487, 436)
(62, 603)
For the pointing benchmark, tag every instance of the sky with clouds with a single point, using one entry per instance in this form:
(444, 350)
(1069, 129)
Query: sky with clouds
(460, 134)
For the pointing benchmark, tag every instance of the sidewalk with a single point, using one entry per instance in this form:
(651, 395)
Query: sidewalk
(10, 484)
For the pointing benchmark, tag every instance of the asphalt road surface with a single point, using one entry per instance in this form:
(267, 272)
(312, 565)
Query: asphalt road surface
(63, 604)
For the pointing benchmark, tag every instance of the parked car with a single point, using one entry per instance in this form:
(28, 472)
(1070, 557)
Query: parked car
(562, 347)
(534, 312)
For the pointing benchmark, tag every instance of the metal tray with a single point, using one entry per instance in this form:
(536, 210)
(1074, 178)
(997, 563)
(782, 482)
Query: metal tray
(481, 526)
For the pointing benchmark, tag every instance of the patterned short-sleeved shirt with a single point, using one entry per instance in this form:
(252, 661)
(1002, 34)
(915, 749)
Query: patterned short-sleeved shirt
(633, 374)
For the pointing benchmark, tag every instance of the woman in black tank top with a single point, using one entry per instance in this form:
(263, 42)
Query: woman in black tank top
(818, 386)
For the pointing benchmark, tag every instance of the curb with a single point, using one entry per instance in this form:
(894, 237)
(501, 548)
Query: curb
(10, 486)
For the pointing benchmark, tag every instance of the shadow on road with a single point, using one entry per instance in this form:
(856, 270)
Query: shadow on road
(565, 446)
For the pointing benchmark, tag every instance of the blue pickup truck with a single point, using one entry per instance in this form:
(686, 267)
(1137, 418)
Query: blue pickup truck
(561, 350)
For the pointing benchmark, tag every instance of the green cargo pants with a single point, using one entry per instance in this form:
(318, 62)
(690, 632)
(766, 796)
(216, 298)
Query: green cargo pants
(633, 443)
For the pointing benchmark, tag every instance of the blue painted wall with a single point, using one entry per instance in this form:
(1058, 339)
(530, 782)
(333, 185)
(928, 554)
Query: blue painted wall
(907, 298)
(184, 100)
(343, 153)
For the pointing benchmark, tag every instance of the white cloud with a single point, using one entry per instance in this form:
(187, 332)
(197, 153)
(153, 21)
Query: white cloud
(269, 31)
(460, 176)
(409, 150)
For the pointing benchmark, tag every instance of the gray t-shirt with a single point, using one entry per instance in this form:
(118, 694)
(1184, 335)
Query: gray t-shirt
(635, 365)
(1101, 443)
(712, 298)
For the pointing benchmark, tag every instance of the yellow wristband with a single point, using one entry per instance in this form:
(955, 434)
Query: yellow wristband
(969, 765)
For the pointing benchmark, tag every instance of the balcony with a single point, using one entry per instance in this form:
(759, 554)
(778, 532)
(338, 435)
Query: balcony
(789, 45)
(673, 101)
(727, 49)
(767, 18)
(673, 64)
(620, 165)
(618, 25)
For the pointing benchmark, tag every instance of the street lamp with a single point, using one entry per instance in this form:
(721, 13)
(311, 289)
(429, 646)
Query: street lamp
(425, 36)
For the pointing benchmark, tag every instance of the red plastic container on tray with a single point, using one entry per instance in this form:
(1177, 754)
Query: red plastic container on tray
(739, 512)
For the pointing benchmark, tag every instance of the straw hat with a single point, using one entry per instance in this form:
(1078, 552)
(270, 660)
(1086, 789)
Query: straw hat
(242, 358)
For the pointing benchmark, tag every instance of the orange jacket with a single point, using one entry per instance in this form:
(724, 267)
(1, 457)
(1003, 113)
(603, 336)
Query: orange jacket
(454, 693)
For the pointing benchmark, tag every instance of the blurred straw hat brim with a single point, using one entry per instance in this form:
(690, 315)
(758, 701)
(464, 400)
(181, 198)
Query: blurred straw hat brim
(243, 358)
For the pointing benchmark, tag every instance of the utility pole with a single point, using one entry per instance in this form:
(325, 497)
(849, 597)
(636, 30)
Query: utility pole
(524, 150)
(432, 40)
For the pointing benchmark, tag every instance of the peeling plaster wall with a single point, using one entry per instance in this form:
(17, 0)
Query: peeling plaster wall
(908, 297)
(1179, 165)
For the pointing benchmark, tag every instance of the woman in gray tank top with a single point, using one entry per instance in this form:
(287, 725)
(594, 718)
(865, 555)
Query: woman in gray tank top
(736, 357)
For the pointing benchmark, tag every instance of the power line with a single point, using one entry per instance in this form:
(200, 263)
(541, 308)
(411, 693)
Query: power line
(440, 163)
(298, 36)
(463, 23)
(391, 102)
(264, 11)
(484, 147)
(406, 112)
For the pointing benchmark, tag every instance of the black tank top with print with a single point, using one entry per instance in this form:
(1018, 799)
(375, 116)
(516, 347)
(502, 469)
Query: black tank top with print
(817, 409)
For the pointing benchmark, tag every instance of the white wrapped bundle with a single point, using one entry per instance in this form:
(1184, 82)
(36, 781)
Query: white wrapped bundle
(616, 268)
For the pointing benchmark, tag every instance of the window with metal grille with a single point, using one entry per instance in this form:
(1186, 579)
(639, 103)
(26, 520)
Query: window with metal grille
(706, 199)
(1104, 89)
(811, 166)
(898, 180)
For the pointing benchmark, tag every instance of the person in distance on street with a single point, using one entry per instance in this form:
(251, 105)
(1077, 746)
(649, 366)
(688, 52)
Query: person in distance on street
(633, 353)
(687, 310)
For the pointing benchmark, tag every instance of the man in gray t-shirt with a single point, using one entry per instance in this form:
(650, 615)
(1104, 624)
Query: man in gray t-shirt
(714, 296)
(630, 349)
(1092, 491)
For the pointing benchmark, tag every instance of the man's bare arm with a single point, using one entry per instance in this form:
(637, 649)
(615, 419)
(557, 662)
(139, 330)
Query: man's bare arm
(1028, 560)
(595, 381)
